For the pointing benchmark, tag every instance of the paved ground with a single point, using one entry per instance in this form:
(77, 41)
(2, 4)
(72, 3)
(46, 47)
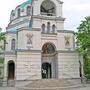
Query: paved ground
(8, 88)
(80, 88)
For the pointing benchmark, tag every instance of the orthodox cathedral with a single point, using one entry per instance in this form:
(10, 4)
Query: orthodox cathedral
(37, 46)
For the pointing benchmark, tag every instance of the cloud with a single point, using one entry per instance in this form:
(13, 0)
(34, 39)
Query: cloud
(74, 12)
(77, 7)
(5, 10)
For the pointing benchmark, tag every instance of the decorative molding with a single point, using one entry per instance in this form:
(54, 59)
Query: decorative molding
(10, 32)
(25, 16)
(29, 40)
(25, 50)
(48, 33)
(28, 29)
(17, 24)
(65, 31)
(10, 52)
(70, 51)
(67, 41)
(67, 51)
(49, 17)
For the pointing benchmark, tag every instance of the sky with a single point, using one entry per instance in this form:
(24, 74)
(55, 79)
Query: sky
(73, 10)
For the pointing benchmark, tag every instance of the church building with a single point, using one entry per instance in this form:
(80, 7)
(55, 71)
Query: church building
(37, 46)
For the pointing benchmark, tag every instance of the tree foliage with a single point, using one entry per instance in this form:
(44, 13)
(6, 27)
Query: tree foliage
(2, 36)
(2, 39)
(83, 43)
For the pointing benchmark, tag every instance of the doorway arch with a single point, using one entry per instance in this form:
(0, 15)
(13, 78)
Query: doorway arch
(49, 61)
(11, 70)
(48, 48)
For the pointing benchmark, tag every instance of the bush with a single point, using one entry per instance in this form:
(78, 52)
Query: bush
(87, 76)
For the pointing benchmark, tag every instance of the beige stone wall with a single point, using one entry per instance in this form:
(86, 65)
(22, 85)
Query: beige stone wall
(49, 39)
(68, 65)
(37, 22)
(28, 66)
(22, 39)
(61, 41)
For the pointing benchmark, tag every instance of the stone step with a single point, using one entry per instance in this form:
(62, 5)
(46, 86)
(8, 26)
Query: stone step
(53, 88)
(11, 83)
(1, 81)
(50, 84)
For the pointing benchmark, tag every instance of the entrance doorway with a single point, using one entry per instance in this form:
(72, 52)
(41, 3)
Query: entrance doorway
(11, 70)
(49, 61)
(46, 70)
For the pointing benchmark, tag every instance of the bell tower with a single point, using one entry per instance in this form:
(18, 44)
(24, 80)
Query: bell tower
(47, 15)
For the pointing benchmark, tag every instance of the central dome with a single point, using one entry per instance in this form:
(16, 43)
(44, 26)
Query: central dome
(23, 9)
(25, 3)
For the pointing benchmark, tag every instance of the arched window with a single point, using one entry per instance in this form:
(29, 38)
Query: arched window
(43, 28)
(48, 48)
(12, 15)
(28, 10)
(48, 8)
(48, 27)
(18, 13)
(13, 44)
(53, 28)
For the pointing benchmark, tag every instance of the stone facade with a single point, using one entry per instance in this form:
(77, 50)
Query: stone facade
(37, 44)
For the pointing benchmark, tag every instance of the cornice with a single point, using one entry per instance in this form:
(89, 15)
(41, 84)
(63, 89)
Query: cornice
(65, 31)
(28, 29)
(17, 24)
(9, 32)
(49, 17)
(10, 52)
(27, 50)
(18, 18)
(67, 51)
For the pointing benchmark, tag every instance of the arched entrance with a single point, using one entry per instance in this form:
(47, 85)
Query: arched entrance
(11, 70)
(49, 61)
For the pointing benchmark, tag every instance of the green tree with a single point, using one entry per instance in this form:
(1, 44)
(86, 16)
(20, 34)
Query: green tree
(83, 43)
(2, 38)
(2, 35)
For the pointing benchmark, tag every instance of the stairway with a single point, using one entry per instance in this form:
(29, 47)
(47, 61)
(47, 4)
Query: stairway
(49, 84)
(11, 83)
(1, 81)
